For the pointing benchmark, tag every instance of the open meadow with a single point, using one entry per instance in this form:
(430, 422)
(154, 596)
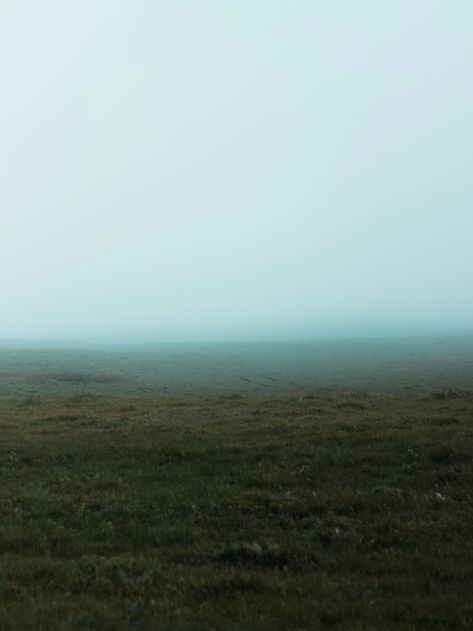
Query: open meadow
(238, 489)
(236, 334)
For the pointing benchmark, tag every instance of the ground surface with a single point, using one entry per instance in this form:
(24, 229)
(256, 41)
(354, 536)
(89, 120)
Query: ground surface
(395, 365)
(238, 512)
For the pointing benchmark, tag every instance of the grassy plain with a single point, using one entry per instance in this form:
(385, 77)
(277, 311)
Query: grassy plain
(238, 511)
(403, 365)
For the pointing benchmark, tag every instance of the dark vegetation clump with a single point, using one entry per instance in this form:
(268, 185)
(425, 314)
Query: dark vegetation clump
(245, 512)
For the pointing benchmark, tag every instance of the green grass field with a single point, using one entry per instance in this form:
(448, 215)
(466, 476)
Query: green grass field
(236, 510)
(402, 365)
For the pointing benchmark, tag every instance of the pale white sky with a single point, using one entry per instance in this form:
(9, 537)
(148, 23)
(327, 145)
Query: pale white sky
(208, 165)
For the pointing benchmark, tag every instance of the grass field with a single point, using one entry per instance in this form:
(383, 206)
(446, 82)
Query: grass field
(242, 512)
(390, 365)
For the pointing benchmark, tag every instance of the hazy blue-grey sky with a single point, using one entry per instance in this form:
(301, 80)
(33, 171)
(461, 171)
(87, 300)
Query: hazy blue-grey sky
(211, 165)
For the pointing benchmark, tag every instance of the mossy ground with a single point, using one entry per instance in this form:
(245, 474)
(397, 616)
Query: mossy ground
(237, 512)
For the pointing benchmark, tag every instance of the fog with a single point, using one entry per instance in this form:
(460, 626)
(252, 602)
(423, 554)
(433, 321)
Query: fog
(221, 169)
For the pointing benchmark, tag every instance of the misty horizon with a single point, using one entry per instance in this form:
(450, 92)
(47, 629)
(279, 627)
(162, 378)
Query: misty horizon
(222, 170)
(301, 332)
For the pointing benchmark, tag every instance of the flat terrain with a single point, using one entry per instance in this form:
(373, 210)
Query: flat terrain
(403, 365)
(241, 511)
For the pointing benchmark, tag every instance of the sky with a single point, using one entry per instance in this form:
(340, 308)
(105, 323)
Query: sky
(235, 167)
